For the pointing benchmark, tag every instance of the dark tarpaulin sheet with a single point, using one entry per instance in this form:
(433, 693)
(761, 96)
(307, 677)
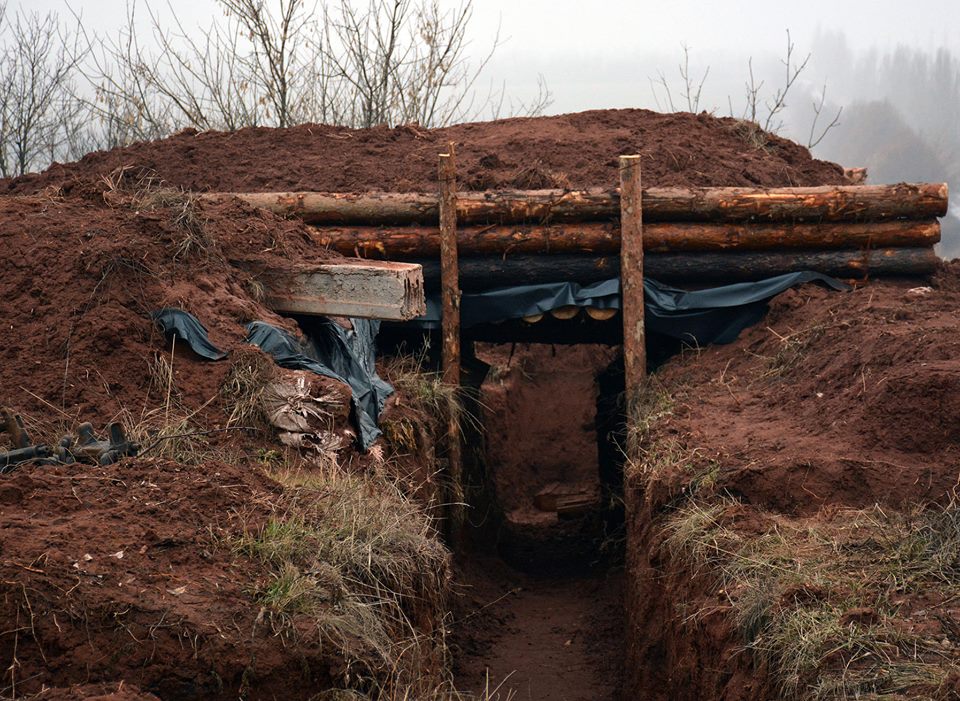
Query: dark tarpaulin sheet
(336, 352)
(715, 315)
(186, 327)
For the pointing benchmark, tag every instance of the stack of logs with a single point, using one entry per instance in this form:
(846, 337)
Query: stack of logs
(691, 235)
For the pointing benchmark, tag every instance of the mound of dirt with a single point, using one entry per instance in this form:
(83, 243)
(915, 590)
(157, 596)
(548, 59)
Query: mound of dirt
(567, 151)
(835, 398)
(82, 276)
(832, 425)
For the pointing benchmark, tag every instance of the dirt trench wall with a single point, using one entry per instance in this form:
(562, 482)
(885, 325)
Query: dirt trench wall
(681, 641)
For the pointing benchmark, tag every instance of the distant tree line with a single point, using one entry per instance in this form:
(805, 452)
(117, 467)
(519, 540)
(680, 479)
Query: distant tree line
(65, 91)
(900, 119)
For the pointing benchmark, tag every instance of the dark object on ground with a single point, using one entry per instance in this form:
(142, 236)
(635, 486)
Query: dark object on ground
(103, 452)
(23, 451)
(86, 448)
(177, 323)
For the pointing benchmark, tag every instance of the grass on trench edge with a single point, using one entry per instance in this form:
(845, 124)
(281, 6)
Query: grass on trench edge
(356, 560)
(819, 602)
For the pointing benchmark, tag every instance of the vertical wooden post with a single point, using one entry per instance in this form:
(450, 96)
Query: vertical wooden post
(631, 279)
(450, 328)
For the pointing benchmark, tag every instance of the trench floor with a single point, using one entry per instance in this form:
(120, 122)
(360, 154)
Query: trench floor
(523, 638)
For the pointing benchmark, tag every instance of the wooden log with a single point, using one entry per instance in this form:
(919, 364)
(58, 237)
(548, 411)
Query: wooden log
(399, 243)
(828, 203)
(364, 289)
(450, 330)
(449, 273)
(565, 313)
(631, 277)
(690, 269)
(598, 314)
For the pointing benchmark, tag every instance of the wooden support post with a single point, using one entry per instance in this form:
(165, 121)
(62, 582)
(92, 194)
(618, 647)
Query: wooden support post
(450, 326)
(631, 288)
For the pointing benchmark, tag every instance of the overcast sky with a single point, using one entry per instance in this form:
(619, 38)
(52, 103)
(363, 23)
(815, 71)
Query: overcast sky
(601, 53)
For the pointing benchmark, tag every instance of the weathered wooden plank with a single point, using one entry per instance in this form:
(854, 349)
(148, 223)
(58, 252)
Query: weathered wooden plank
(825, 203)
(363, 289)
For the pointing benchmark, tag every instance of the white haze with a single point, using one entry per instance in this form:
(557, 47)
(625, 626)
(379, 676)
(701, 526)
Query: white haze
(603, 54)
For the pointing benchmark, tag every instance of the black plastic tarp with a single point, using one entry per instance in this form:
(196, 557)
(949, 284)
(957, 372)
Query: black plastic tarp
(343, 354)
(715, 315)
(176, 323)
(333, 351)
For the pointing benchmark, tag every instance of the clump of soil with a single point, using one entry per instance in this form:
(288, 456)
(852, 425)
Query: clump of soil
(791, 478)
(567, 151)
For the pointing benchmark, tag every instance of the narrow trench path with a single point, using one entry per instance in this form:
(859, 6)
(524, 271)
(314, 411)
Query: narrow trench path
(523, 638)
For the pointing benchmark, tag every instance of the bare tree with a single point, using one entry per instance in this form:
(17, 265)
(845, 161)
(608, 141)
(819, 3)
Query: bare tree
(277, 46)
(818, 106)
(37, 105)
(761, 112)
(400, 61)
(65, 92)
(691, 90)
(385, 62)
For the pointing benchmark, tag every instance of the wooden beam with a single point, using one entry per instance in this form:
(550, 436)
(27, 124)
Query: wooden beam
(450, 329)
(411, 242)
(825, 203)
(631, 275)
(364, 289)
(449, 274)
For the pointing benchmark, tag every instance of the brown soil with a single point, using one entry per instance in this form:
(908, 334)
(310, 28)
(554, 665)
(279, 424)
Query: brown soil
(539, 406)
(527, 639)
(116, 574)
(540, 402)
(573, 150)
(834, 400)
(94, 692)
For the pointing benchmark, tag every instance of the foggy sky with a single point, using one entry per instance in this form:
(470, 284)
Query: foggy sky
(600, 54)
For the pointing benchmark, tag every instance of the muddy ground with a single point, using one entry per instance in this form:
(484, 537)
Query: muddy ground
(551, 639)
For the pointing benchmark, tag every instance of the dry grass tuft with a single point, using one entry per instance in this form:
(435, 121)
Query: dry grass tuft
(822, 602)
(752, 134)
(790, 351)
(242, 391)
(359, 561)
(144, 191)
(650, 404)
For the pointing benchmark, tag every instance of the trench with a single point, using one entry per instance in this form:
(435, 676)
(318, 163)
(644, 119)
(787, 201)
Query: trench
(539, 604)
